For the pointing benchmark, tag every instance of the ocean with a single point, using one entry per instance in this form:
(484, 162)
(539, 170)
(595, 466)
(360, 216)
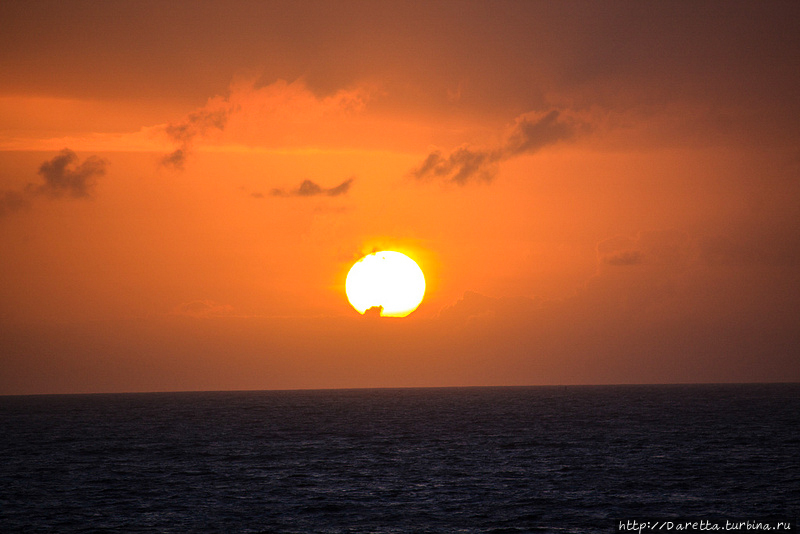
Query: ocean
(471, 460)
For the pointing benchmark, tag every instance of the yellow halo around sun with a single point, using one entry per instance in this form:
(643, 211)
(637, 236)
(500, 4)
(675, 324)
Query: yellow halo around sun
(385, 279)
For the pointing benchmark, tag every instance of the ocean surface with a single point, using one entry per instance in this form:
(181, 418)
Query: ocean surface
(502, 460)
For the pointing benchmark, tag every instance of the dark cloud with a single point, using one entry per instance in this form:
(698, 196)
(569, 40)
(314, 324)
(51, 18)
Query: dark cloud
(530, 135)
(624, 257)
(312, 189)
(653, 247)
(340, 189)
(183, 133)
(430, 165)
(465, 164)
(462, 166)
(11, 201)
(175, 159)
(308, 189)
(203, 309)
(198, 123)
(64, 176)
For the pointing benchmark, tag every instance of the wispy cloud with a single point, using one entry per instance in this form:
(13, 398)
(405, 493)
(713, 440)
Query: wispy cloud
(653, 247)
(530, 133)
(277, 114)
(196, 124)
(203, 309)
(312, 189)
(461, 166)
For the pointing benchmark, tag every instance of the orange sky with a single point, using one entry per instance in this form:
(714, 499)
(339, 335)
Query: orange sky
(597, 192)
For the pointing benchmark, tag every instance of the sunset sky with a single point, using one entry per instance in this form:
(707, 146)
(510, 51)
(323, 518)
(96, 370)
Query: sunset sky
(597, 192)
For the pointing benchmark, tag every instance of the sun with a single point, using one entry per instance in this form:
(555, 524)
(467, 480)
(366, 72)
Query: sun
(389, 280)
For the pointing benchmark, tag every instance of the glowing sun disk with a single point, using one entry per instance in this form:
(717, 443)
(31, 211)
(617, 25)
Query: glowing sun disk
(387, 279)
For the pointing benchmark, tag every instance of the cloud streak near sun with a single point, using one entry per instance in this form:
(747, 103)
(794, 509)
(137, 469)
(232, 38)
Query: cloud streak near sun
(530, 133)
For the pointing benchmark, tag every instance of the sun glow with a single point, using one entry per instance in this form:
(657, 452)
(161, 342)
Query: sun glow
(387, 280)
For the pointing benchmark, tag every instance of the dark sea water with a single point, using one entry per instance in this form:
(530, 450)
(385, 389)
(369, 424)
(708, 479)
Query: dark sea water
(505, 460)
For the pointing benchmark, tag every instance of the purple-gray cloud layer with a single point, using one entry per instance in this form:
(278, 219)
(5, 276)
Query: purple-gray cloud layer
(677, 249)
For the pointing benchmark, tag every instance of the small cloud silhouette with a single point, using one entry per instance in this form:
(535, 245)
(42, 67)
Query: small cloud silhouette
(203, 309)
(624, 257)
(311, 189)
(374, 312)
(175, 159)
(64, 176)
(11, 201)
